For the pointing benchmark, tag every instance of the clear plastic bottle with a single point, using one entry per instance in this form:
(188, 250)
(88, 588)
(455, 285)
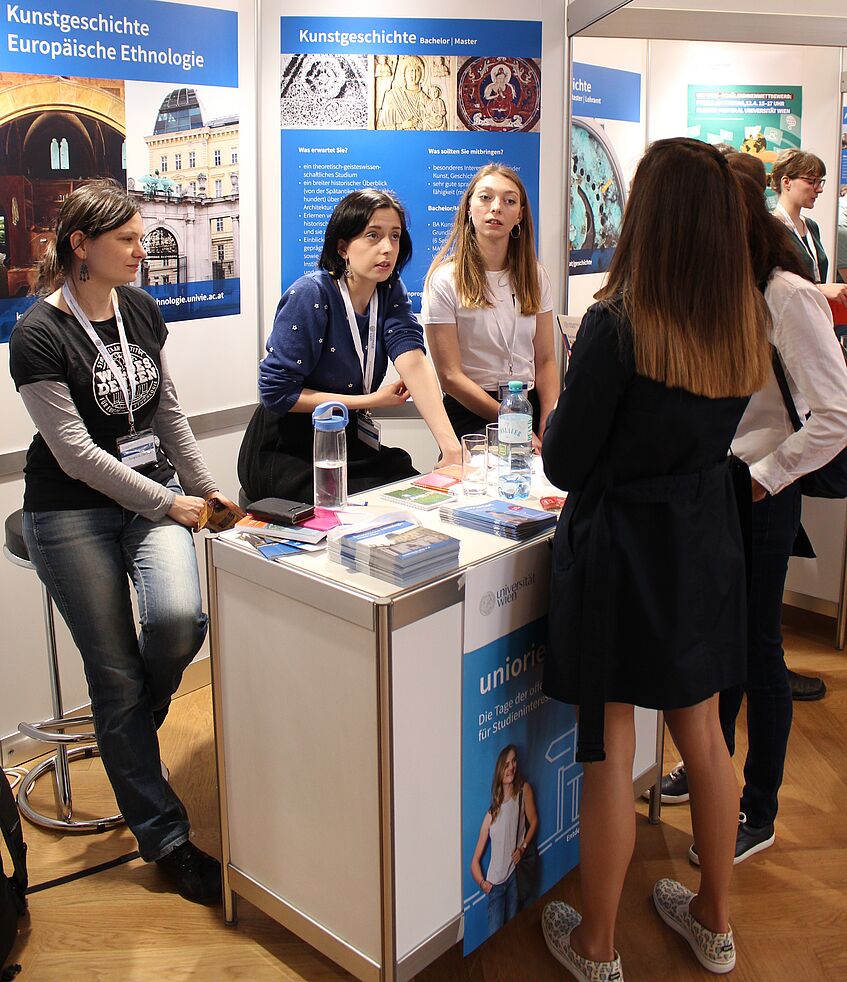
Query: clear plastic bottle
(515, 435)
(330, 469)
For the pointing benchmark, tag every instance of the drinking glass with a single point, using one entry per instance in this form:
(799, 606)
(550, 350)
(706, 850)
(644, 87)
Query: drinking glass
(474, 463)
(492, 436)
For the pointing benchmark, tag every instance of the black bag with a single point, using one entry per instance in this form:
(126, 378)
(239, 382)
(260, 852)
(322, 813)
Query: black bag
(527, 869)
(12, 888)
(829, 481)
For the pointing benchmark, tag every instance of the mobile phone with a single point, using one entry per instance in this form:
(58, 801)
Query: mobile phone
(281, 510)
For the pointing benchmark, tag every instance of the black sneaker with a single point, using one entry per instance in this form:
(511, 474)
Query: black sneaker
(806, 688)
(748, 841)
(674, 787)
(195, 874)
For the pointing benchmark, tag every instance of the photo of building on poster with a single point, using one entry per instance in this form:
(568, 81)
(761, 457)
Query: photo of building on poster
(520, 779)
(755, 119)
(110, 95)
(413, 106)
(606, 113)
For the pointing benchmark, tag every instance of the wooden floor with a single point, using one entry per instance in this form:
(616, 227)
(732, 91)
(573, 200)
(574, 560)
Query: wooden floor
(789, 903)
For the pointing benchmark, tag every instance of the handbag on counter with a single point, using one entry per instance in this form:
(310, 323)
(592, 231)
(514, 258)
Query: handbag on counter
(829, 481)
(527, 869)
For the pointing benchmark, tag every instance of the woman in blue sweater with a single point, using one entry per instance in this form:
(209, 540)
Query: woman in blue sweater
(333, 334)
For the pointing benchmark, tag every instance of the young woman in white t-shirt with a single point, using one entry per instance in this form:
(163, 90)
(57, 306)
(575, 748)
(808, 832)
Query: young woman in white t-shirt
(487, 306)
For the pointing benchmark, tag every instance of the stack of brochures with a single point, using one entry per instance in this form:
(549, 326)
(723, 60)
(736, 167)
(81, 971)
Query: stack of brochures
(500, 518)
(394, 548)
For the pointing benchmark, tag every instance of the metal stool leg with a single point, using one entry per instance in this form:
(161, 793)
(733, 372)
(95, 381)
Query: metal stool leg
(54, 731)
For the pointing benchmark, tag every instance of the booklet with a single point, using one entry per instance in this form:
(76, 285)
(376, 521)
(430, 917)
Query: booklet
(414, 497)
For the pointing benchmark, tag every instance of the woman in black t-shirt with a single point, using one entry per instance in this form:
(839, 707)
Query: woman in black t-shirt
(102, 502)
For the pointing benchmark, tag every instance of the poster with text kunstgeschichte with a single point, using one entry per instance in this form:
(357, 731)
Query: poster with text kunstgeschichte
(606, 112)
(518, 747)
(145, 94)
(412, 105)
(757, 119)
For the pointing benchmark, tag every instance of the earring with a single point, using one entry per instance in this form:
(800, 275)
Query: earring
(516, 228)
(347, 271)
(83, 272)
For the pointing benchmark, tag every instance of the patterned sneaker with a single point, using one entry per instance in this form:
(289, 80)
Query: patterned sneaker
(674, 786)
(557, 922)
(715, 952)
(748, 841)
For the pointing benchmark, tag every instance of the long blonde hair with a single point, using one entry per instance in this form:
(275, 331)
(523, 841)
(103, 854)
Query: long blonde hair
(683, 273)
(468, 268)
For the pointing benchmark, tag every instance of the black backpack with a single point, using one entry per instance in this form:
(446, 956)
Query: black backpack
(12, 888)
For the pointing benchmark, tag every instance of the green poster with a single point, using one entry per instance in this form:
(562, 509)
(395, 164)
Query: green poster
(757, 119)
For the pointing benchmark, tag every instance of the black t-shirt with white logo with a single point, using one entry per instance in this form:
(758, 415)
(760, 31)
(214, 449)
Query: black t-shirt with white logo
(48, 345)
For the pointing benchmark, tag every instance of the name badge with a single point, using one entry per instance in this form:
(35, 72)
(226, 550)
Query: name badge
(138, 449)
(368, 430)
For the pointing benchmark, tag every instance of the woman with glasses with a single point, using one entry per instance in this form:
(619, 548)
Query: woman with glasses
(798, 178)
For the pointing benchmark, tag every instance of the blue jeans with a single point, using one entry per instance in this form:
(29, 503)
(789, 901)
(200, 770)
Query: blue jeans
(83, 557)
(769, 709)
(502, 902)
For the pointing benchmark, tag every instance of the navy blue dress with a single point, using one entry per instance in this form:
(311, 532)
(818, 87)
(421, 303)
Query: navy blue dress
(310, 347)
(648, 598)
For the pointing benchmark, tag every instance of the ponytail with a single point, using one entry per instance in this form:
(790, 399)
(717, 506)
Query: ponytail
(49, 273)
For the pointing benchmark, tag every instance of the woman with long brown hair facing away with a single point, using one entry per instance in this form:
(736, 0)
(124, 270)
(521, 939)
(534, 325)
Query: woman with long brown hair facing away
(648, 591)
(487, 306)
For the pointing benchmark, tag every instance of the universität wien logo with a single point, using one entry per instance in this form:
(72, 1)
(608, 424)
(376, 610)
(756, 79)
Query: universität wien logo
(487, 603)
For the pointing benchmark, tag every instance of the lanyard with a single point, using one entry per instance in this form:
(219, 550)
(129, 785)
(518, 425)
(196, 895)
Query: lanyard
(119, 376)
(367, 365)
(788, 221)
(510, 348)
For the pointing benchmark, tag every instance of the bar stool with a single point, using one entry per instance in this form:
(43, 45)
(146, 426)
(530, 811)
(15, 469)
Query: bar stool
(54, 730)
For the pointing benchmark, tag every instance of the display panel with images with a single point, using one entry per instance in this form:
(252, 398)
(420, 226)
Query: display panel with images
(89, 93)
(411, 105)
(606, 114)
(520, 778)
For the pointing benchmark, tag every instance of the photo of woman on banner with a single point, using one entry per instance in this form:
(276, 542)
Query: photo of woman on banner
(648, 595)
(487, 306)
(334, 332)
(509, 828)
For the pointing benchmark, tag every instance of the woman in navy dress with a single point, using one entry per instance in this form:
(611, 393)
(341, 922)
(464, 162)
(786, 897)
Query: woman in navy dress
(647, 604)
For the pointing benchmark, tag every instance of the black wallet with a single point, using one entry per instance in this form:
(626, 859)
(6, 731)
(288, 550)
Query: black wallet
(281, 510)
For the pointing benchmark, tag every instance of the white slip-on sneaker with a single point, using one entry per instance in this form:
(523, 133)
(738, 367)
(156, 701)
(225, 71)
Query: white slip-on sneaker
(715, 952)
(557, 922)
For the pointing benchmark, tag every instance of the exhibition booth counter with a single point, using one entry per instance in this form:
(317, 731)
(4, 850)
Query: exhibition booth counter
(357, 727)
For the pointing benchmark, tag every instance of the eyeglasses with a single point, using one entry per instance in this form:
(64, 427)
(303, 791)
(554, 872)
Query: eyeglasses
(816, 182)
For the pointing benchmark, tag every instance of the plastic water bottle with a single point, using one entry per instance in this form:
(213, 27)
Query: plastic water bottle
(515, 435)
(330, 469)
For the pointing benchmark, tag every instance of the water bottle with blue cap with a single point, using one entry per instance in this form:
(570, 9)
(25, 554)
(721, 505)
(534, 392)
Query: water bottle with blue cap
(330, 469)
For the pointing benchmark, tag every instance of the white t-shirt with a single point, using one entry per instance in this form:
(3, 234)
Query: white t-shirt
(817, 379)
(489, 337)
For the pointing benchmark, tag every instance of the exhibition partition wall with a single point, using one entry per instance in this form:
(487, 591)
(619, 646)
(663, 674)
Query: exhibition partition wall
(160, 96)
(759, 79)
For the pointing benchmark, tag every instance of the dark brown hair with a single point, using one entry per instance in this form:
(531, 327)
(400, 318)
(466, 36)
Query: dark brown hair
(350, 217)
(683, 274)
(497, 780)
(468, 267)
(770, 242)
(749, 165)
(93, 208)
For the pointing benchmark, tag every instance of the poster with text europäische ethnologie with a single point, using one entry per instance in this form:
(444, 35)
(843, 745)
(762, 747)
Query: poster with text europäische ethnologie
(147, 96)
(415, 106)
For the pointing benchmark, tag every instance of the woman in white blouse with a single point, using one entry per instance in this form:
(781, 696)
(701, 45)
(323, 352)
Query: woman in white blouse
(487, 306)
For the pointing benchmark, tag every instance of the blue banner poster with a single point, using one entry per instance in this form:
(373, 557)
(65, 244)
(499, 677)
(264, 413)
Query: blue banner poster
(415, 106)
(606, 116)
(518, 748)
(147, 96)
